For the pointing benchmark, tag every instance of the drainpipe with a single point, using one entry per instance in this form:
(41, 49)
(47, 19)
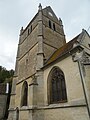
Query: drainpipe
(84, 86)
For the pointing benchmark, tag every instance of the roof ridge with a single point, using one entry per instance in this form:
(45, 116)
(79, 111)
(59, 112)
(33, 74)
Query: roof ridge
(62, 50)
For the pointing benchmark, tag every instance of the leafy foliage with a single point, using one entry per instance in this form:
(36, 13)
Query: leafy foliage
(5, 75)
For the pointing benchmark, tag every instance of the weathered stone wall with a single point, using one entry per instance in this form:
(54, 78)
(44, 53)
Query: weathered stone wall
(24, 114)
(85, 42)
(47, 51)
(25, 34)
(3, 101)
(28, 43)
(75, 94)
(27, 65)
(87, 82)
(58, 27)
(53, 39)
(78, 113)
(48, 12)
(55, 113)
(27, 51)
(19, 93)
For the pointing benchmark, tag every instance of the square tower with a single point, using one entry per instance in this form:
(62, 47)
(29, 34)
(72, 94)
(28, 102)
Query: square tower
(38, 41)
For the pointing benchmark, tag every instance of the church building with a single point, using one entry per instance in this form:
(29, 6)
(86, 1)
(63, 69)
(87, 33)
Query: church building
(52, 77)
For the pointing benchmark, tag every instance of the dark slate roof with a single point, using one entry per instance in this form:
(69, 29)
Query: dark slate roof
(62, 50)
(2, 88)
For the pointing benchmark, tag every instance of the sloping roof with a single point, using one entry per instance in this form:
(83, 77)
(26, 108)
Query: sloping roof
(62, 51)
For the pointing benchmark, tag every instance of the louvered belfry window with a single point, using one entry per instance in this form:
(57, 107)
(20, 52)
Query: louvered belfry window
(50, 25)
(57, 86)
(54, 27)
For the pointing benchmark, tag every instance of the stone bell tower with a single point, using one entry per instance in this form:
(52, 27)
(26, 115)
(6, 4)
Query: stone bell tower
(37, 42)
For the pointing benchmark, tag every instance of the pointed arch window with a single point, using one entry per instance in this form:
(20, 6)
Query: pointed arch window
(56, 86)
(24, 94)
(54, 28)
(50, 26)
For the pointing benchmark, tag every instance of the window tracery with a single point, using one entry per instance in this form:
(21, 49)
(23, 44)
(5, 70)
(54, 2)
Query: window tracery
(57, 87)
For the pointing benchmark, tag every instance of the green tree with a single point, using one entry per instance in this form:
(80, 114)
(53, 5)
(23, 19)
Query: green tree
(5, 75)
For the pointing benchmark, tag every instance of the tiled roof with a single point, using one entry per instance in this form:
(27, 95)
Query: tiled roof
(62, 51)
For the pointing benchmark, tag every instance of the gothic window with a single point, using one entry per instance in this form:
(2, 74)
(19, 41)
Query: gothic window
(24, 94)
(56, 86)
(30, 30)
(54, 27)
(50, 26)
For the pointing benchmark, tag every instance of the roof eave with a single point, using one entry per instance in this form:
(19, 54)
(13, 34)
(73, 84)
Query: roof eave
(68, 53)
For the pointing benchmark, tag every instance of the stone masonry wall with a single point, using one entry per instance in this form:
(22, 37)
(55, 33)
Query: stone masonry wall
(3, 101)
(75, 95)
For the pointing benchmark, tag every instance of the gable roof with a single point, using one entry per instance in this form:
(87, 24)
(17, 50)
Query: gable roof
(66, 48)
(45, 12)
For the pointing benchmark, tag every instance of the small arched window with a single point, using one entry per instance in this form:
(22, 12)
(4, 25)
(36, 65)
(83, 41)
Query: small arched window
(54, 27)
(24, 94)
(56, 86)
(50, 26)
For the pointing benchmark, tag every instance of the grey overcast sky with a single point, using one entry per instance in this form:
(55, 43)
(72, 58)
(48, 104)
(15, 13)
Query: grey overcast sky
(14, 14)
